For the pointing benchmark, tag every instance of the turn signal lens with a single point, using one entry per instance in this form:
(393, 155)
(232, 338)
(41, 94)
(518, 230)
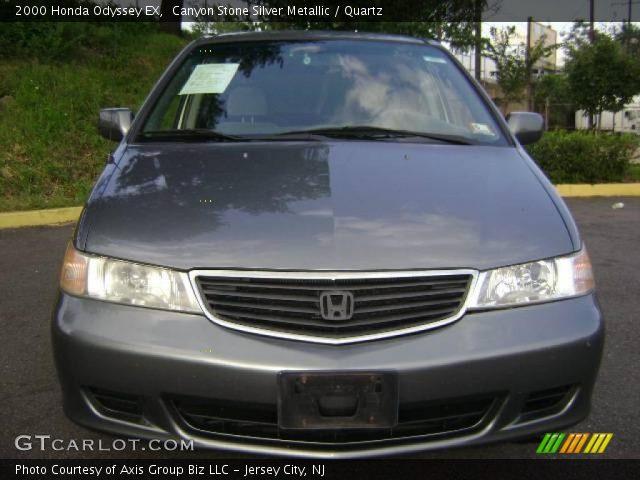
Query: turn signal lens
(73, 276)
(124, 282)
(583, 280)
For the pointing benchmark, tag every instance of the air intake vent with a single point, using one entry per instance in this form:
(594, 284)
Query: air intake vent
(543, 403)
(118, 405)
(443, 417)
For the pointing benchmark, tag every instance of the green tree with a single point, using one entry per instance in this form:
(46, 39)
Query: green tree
(629, 36)
(601, 75)
(513, 66)
(553, 97)
(552, 87)
(577, 37)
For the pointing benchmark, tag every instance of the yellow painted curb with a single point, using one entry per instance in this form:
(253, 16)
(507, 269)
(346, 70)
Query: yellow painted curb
(600, 190)
(31, 218)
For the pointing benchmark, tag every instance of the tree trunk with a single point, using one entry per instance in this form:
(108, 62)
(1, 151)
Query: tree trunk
(546, 113)
(169, 22)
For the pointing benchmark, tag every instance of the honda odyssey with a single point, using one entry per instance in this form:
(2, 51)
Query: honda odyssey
(324, 245)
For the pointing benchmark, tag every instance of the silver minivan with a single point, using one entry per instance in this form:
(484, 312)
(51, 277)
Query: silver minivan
(324, 245)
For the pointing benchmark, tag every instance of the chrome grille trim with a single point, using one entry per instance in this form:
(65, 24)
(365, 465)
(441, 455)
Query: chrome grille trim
(301, 295)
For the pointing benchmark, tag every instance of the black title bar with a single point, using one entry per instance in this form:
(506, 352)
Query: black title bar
(292, 469)
(297, 11)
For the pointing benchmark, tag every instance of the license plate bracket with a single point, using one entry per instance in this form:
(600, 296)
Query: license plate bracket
(330, 400)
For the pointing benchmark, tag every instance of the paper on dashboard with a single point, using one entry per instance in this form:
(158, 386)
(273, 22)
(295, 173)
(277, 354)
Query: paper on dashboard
(210, 78)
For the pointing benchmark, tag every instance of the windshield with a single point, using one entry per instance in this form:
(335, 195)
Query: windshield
(248, 90)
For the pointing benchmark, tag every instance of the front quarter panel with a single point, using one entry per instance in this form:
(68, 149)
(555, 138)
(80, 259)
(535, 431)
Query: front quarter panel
(555, 197)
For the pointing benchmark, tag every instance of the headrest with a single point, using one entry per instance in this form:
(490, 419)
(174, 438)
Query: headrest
(246, 102)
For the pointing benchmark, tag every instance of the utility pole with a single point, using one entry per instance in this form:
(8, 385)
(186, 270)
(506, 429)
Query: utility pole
(529, 67)
(592, 38)
(478, 40)
(629, 4)
(627, 40)
(592, 15)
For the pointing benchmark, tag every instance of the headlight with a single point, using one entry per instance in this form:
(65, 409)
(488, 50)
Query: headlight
(125, 282)
(534, 282)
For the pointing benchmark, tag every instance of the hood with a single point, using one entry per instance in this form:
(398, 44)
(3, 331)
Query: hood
(351, 205)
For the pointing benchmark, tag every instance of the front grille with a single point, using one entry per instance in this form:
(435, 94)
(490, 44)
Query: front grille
(292, 305)
(460, 416)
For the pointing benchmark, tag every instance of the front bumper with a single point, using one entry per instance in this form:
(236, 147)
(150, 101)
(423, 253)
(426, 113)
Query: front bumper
(509, 356)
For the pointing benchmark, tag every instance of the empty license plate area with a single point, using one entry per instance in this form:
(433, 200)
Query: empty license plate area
(337, 400)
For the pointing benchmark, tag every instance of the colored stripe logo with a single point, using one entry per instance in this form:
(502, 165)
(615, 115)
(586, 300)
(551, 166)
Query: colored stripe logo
(574, 443)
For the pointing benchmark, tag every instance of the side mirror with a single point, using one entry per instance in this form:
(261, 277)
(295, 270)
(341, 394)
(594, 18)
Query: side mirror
(114, 123)
(528, 127)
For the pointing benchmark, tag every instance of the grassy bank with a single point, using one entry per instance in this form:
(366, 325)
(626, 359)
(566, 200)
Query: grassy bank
(50, 152)
(55, 77)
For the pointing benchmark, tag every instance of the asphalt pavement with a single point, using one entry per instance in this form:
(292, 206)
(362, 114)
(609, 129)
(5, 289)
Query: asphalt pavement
(31, 400)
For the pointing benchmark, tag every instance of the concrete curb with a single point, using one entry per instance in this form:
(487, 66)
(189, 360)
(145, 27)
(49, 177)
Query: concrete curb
(600, 190)
(32, 218)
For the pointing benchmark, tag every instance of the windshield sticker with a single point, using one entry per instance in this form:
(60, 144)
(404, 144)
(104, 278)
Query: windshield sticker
(434, 59)
(210, 78)
(482, 129)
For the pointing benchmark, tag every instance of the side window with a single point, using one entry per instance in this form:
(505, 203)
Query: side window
(170, 107)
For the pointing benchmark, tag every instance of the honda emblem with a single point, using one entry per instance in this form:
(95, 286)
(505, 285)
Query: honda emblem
(336, 305)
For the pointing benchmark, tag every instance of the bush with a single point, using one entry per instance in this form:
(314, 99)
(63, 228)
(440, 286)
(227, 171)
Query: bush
(584, 157)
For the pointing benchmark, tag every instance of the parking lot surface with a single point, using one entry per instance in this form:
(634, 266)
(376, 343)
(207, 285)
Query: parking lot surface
(30, 396)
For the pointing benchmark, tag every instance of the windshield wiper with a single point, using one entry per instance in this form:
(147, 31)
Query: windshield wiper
(370, 132)
(358, 132)
(197, 134)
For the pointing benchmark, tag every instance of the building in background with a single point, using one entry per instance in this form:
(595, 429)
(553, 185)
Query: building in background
(538, 31)
(549, 37)
(626, 120)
